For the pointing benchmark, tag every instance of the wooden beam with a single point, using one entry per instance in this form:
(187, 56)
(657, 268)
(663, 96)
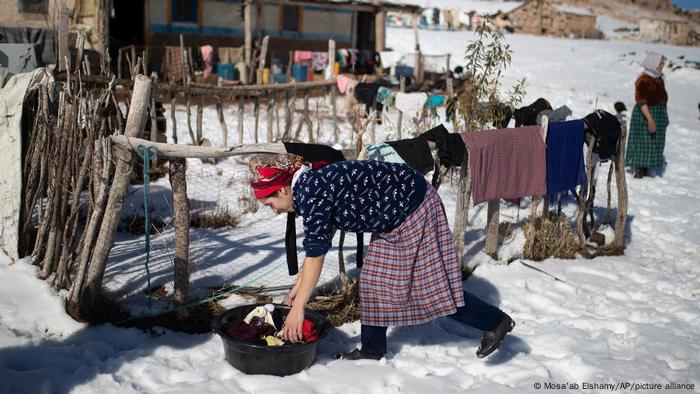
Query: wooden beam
(196, 152)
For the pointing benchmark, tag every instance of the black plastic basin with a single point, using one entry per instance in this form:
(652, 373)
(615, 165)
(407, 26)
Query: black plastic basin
(253, 359)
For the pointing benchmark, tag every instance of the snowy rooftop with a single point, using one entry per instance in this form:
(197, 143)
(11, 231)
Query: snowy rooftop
(569, 9)
(480, 6)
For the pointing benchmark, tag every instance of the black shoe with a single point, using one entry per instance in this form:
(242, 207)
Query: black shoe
(356, 354)
(491, 340)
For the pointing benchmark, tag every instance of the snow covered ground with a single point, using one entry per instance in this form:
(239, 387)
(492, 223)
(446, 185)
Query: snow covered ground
(627, 319)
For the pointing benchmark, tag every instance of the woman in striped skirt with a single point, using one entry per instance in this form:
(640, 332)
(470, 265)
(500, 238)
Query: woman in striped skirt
(411, 272)
(647, 136)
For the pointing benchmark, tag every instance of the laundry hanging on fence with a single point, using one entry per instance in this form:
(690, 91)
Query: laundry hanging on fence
(415, 152)
(606, 130)
(434, 101)
(173, 66)
(385, 96)
(451, 150)
(410, 103)
(230, 55)
(506, 163)
(303, 57)
(527, 116)
(366, 93)
(565, 164)
(346, 84)
(319, 61)
(383, 152)
(207, 52)
(557, 115)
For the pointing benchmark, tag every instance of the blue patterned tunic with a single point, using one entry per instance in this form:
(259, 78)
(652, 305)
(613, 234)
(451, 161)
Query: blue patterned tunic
(355, 196)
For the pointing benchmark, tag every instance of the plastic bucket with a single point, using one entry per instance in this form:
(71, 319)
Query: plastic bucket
(299, 72)
(253, 359)
(225, 71)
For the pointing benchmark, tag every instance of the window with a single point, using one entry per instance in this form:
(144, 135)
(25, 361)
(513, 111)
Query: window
(291, 17)
(33, 6)
(185, 11)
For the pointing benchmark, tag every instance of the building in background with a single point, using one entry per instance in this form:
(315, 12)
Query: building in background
(544, 17)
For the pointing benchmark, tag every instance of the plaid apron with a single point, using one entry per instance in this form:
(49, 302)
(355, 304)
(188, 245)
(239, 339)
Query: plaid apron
(644, 149)
(412, 275)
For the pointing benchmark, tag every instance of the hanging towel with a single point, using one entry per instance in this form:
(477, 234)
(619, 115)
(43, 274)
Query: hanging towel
(565, 165)
(383, 152)
(385, 96)
(410, 103)
(506, 163)
(435, 101)
(303, 57)
(207, 52)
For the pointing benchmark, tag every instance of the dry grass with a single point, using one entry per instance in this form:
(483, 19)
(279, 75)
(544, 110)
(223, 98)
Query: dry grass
(222, 216)
(134, 224)
(547, 238)
(341, 306)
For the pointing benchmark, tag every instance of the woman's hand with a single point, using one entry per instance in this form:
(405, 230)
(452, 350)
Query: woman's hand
(291, 331)
(651, 125)
(293, 292)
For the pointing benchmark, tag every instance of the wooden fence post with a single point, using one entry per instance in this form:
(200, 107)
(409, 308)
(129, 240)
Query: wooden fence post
(222, 120)
(181, 213)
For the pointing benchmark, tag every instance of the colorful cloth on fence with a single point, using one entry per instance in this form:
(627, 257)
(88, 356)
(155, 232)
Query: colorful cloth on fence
(230, 55)
(415, 152)
(411, 274)
(506, 163)
(207, 52)
(645, 149)
(319, 61)
(385, 96)
(174, 67)
(303, 57)
(383, 152)
(435, 101)
(356, 196)
(344, 83)
(565, 164)
(410, 103)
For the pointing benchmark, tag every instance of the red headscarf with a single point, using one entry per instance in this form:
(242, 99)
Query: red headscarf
(274, 173)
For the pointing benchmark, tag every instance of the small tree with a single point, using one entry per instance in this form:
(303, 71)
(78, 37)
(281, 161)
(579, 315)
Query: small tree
(478, 103)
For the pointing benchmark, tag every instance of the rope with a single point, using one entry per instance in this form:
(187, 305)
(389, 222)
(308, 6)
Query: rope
(205, 300)
(148, 154)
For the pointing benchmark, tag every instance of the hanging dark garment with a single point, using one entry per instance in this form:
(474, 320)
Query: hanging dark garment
(415, 152)
(527, 116)
(366, 93)
(450, 147)
(606, 130)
